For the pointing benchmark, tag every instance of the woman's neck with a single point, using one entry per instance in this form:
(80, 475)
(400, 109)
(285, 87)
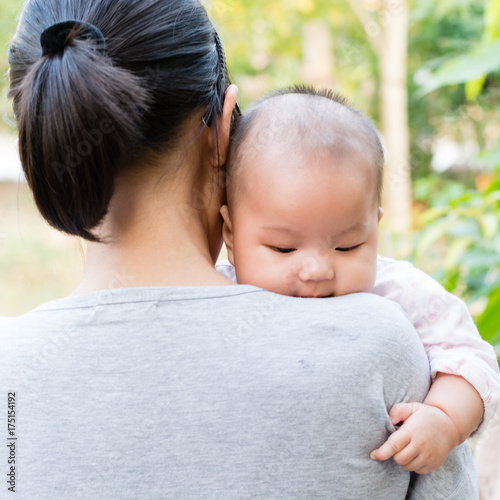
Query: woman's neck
(168, 237)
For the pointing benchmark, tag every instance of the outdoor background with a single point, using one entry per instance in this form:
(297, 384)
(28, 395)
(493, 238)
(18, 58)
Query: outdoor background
(427, 73)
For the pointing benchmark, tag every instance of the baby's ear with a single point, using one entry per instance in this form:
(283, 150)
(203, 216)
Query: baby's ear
(227, 233)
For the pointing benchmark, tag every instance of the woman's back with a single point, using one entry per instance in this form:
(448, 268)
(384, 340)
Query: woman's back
(121, 394)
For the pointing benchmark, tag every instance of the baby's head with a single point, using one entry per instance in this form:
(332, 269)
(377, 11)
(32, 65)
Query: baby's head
(304, 186)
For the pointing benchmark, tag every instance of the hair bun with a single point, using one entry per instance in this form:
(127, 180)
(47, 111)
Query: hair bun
(58, 36)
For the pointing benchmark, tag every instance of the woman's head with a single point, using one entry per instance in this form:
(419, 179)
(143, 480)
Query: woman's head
(99, 87)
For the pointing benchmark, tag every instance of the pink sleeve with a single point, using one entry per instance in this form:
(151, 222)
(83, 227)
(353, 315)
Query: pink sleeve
(447, 331)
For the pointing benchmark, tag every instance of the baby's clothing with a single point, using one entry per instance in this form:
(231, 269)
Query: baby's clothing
(443, 323)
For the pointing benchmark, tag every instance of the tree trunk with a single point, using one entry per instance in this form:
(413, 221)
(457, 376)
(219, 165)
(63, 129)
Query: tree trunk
(393, 60)
(318, 61)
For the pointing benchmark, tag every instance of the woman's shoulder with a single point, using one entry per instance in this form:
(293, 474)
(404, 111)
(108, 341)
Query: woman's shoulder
(233, 306)
(379, 320)
(234, 296)
(5, 320)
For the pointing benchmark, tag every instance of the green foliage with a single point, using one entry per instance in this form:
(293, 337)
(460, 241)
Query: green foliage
(469, 67)
(461, 228)
(492, 17)
(264, 44)
(423, 11)
(472, 68)
(462, 233)
(9, 10)
(438, 31)
(488, 322)
(491, 33)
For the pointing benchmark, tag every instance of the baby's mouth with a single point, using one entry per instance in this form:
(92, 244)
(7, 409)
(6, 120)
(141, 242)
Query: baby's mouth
(316, 296)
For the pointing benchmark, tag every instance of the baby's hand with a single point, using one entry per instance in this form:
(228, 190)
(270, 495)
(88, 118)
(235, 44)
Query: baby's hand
(424, 440)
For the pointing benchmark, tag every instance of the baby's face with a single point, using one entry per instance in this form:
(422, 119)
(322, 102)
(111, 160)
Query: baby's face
(304, 228)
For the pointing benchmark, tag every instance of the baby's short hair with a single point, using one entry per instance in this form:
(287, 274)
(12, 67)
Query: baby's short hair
(302, 119)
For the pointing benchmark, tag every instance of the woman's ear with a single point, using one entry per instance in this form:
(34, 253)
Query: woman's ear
(224, 125)
(227, 233)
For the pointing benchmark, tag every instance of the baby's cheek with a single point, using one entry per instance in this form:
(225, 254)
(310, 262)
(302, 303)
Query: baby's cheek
(247, 273)
(369, 276)
(288, 272)
(360, 279)
(278, 277)
(261, 274)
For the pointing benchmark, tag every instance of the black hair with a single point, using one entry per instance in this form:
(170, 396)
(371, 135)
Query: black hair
(86, 114)
(243, 128)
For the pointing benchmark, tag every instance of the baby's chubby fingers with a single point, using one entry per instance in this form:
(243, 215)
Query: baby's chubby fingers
(424, 440)
(396, 442)
(401, 438)
(401, 412)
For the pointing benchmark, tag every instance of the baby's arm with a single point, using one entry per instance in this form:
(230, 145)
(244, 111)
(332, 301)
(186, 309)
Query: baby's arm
(432, 429)
(464, 367)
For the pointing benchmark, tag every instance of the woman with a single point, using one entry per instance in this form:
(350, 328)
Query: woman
(159, 378)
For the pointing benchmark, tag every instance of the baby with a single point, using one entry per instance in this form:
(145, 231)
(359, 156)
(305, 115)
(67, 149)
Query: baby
(304, 187)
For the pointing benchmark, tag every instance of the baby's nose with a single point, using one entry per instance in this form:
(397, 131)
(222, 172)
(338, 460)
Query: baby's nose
(316, 269)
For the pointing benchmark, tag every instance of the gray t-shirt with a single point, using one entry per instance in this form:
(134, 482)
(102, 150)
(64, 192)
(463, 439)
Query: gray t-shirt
(212, 393)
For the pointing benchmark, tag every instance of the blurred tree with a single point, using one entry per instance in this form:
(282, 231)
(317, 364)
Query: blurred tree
(387, 29)
(318, 56)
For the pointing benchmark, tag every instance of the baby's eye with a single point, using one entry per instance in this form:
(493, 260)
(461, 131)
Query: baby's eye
(283, 250)
(347, 249)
